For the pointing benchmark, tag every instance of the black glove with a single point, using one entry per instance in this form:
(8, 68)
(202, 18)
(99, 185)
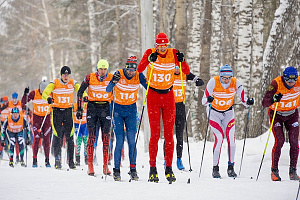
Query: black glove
(210, 99)
(50, 100)
(199, 82)
(26, 91)
(85, 99)
(277, 97)
(28, 140)
(116, 77)
(250, 101)
(180, 56)
(3, 143)
(79, 113)
(153, 57)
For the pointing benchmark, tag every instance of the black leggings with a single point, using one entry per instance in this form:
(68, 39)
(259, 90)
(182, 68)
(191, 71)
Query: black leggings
(63, 125)
(179, 127)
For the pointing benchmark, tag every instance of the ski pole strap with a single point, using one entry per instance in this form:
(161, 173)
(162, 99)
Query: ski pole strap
(183, 96)
(148, 84)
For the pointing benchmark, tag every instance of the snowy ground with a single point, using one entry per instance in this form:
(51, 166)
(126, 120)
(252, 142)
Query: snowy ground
(44, 183)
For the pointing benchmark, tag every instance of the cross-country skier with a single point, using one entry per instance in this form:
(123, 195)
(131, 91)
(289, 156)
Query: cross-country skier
(160, 99)
(98, 111)
(284, 91)
(124, 109)
(62, 90)
(40, 109)
(81, 132)
(220, 92)
(14, 128)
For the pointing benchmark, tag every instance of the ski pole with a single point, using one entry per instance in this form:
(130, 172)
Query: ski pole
(267, 140)
(40, 129)
(298, 191)
(183, 92)
(187, 137)
(205, 139)
(28, 125)
(137, 135)
(111, 125)
(244, 140)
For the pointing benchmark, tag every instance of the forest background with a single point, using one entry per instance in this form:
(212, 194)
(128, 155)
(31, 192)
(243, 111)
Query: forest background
(258, 38)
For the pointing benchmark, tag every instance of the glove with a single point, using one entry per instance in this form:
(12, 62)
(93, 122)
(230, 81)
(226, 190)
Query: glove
(85, 99)
(79, 113)
(250, 101)
(153, 57)
(210, 99)
(28, 140)
(199, 82)
(180, 56)
(277, 97)
(26, 91)
(116, 77)
(3, 143)
(50, 100)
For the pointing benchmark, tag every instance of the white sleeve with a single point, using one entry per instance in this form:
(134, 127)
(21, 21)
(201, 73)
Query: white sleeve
(208, 91)
(241, 93)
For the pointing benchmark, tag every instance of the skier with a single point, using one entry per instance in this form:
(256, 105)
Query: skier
(124, 111)
(180, 109)
(81, 132)
(98, 111)
(220, 92)
(40, 110)
(62, 90)
(160, 99)
(284, 91)
(4, 114)
(13, 128)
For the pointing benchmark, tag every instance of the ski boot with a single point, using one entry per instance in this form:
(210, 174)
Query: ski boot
(133, 174)
(71, 164)
(106, 170)
(117, 174)
(170, 175)
(153, 177)
(275, 175)
(91, 171)
(77, 163)
(57, 164)
(230, 170)
(215, 173)
(165, 164)
(86, 160)
(179, 164)
(34, 163)
(47, 163)
(22, 163)
(11, 163)
(293, 174)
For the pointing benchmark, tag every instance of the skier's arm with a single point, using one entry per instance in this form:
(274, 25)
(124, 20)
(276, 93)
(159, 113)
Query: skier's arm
(3, 130)
(241, 93)
(111, 85)
(144, 62)
(184, 66)
(30, 97)
(268, 98)
(208, 91)
(143, 80)
(47, 91)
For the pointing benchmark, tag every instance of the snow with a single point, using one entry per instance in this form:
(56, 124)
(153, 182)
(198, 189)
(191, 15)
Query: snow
(49, 183)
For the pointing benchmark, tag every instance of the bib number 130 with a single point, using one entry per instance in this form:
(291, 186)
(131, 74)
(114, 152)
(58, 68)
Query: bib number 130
(161, 77)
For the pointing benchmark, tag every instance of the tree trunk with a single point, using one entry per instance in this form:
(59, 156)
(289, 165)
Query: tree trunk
(181, 22)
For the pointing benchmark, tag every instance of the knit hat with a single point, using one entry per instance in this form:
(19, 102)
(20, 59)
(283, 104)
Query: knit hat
(5, 98)
(290, 73)
(131, 62)
(226, 70)
(14, 95)
(161, 39)
(43, 85)
(65, 70)
(102, 64)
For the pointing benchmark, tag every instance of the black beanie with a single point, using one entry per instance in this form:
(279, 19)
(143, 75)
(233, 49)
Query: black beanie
(65, 70)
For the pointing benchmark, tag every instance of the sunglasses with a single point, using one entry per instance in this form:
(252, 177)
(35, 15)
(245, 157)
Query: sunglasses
(290, 80)
(162, 45)
(226, 78)
(131, 69)
(66, 74)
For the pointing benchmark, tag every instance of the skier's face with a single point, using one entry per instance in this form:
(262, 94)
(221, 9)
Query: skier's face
(290, 84)
(130, 72)
(65, 77)
(15, 115)
(226, 79)
(102, 71)
(162, 49)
